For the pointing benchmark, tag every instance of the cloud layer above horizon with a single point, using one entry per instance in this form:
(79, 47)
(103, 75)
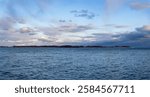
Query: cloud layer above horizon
(75, 22)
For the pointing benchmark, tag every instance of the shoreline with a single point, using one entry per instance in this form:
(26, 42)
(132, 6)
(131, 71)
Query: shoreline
(65, 46)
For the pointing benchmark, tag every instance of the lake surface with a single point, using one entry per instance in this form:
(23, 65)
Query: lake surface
(74, 63)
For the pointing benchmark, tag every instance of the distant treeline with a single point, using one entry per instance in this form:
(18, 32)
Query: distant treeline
(70, 46)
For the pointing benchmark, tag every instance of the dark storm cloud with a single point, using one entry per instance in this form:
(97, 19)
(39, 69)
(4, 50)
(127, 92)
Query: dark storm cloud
(83, 13)
(138, 35)
(138, 38)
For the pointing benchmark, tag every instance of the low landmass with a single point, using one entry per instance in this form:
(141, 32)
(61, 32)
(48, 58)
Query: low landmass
(69, 46)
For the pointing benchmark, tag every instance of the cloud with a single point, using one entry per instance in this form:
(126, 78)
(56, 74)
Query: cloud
(83, 13)
(65, 21)
(16, 32)
(139, 34)
(138, 38)
(24, 8)
(145, 28)
(113, 5)
(73, 28)
(47, 40)
(62, 21)
(41, 36)
(28, 30)
(66, 27)
(116, 26)
(56, 34)
(44, 4)
(140, 5)
(6, 23)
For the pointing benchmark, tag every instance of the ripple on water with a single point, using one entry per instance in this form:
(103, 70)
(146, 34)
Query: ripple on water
(74, 63)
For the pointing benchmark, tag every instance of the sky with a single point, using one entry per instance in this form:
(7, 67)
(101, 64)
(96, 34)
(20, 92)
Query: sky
(75, 22)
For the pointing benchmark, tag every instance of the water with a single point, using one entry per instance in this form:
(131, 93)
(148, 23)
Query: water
(74, 64)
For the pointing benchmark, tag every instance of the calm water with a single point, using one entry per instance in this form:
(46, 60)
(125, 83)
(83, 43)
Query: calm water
(74, 63)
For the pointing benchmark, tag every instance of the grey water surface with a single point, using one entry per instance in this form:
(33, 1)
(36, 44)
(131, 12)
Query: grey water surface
(74, 64)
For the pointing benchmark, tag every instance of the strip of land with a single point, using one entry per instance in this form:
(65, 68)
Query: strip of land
(69, 46)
